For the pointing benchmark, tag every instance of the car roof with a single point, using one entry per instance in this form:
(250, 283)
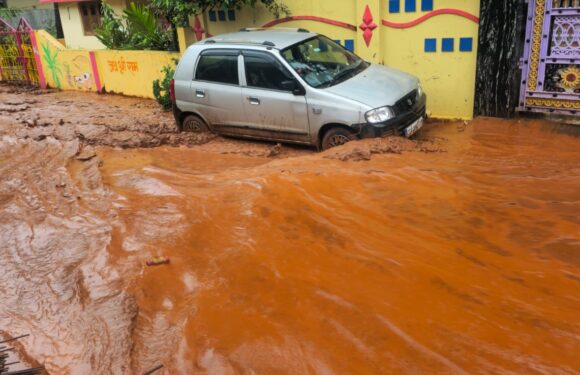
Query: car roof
(275, 38)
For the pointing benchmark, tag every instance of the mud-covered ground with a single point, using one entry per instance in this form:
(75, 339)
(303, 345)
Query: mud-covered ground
(457, 253)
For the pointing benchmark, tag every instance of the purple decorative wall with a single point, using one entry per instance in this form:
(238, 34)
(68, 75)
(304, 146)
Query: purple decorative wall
(551, 63)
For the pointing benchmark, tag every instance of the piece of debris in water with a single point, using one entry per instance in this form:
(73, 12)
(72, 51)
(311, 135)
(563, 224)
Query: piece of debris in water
(157, 261)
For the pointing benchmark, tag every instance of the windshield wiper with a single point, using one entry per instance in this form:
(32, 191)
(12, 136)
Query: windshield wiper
(337, 78)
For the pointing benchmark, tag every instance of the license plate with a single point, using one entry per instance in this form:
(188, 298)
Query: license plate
(414, 127)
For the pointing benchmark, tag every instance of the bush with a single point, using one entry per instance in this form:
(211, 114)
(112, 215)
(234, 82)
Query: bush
(137, 29)
(161, 87)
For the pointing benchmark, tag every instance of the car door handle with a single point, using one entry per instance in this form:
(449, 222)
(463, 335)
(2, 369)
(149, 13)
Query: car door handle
(253, 100)
(200, 93)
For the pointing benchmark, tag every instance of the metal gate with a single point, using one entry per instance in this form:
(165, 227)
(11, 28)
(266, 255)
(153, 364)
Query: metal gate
(551, 63)
(17, 57)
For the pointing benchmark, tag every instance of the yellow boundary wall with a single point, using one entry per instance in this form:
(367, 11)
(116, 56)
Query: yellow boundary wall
(122, 72)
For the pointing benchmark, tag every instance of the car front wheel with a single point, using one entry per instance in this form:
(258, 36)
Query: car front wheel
(336, 137)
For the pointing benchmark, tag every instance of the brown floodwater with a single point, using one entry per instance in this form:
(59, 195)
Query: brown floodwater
(463, 261)
(459, 254)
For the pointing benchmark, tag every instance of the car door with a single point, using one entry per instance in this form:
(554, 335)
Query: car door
(216, 90)
(273, 100)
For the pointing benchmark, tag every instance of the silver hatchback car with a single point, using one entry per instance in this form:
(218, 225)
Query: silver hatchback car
(291, 86)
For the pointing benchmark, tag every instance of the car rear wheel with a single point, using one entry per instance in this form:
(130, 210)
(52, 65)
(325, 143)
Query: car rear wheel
(193, 124)
(336, 137)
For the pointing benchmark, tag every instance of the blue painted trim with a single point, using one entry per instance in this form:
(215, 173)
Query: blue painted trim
(349, 44)
(426, 5)
(410, 6)
(394, 6)
(447, 44)
(466, 44)
(430, 45)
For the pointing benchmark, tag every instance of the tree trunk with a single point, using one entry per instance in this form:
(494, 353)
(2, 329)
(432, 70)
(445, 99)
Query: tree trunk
(501, 42)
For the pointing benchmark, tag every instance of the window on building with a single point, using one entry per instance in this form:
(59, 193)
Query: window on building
(90, 15)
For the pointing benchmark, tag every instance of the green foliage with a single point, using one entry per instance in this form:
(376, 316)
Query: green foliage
(8, 12)
(161, 87)
(136, 29)
(178, 11)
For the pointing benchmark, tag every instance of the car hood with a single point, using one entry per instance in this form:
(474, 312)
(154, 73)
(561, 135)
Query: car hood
(376, 86)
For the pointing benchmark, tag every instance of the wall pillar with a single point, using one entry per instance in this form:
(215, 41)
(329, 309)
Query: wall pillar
(368, 40)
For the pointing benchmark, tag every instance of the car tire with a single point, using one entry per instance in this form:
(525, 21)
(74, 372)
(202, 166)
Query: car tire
(193, 124)
(336, 137)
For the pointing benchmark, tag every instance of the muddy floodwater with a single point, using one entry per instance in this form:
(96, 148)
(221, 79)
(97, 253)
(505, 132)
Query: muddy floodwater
(458, 253)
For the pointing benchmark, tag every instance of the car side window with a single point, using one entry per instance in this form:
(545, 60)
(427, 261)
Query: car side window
(265, 72)
(220, 68)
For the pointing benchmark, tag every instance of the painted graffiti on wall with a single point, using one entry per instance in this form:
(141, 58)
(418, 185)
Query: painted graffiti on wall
(78, 73)
(51, 63)
(67, 69)
(123, 66)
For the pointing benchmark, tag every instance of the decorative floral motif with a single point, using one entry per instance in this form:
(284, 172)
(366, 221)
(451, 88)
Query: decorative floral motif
(570, 78)
(536, 44)
(553, 103)
(564, 78)
(198, 29)
(367, 26)
(566, 36)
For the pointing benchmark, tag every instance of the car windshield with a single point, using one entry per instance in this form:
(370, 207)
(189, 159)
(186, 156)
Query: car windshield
(322, 62)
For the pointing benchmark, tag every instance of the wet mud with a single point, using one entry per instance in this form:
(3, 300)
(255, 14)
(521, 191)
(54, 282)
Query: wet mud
(455, 253)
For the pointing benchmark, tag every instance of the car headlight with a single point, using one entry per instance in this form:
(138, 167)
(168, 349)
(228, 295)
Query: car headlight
(419, 90)
(382, 114)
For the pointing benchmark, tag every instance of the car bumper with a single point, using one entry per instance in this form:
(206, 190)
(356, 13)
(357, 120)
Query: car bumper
(396, 125)
(177, 114)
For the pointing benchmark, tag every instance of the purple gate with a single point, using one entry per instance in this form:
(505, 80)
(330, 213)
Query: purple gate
(17, 57)
(551, 63)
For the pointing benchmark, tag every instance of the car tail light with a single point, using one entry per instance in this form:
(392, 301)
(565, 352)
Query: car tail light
(172, 90)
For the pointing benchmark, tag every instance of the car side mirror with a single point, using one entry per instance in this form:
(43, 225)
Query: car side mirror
(293, 87)
(299, 90)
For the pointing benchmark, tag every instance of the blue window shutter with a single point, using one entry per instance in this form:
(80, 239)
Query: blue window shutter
(231, 15)
(212, 16)
(221, 15)
(394, 6)
(349, 44)
(410, 5)
(466, 44)
(430, 45)
(426, 5)
(447, 44)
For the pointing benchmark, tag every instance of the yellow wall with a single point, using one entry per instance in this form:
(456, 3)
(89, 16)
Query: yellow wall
(340, 10)
(132, 72)
(72, 25)
(122, 72)
(63, 68)
(448, 77)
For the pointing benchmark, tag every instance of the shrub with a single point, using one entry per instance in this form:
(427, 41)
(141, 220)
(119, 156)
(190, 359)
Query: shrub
(161, 87)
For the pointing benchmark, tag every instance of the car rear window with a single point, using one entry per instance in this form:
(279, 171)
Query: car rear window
(218, 68)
